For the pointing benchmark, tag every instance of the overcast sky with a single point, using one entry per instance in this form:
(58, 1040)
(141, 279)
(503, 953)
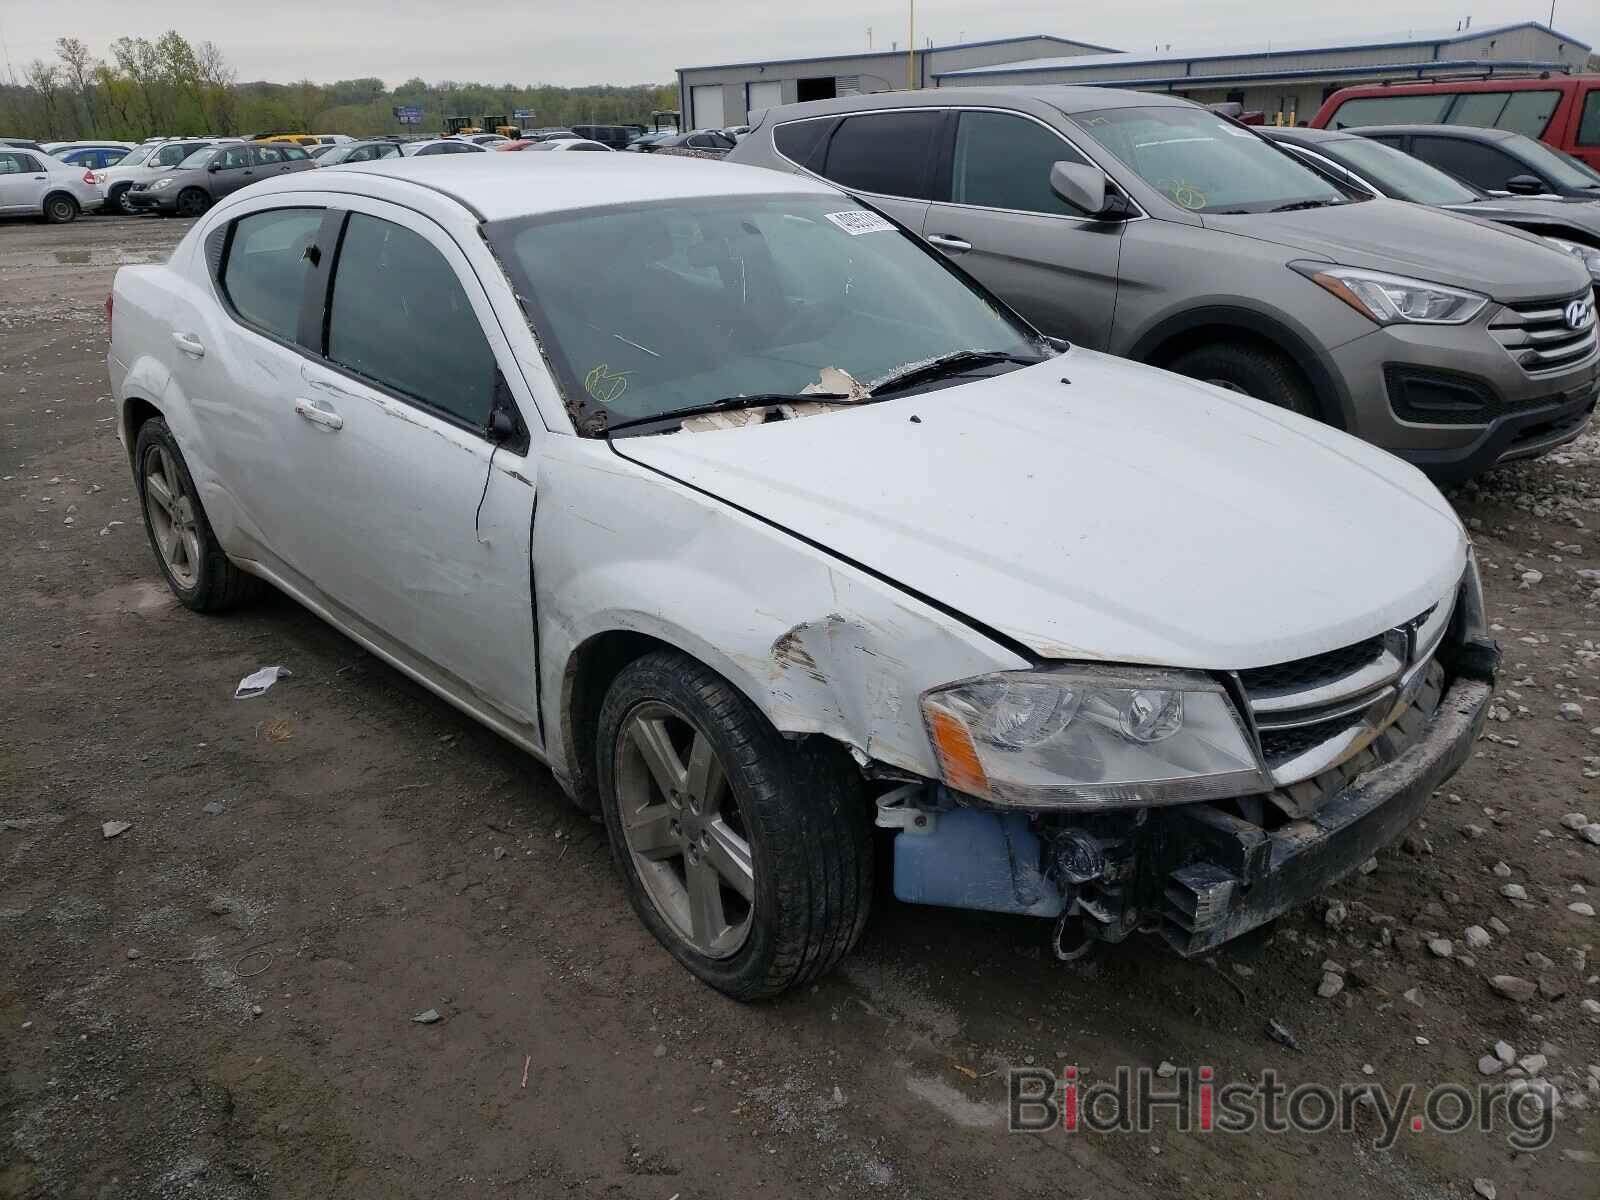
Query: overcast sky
(631, 41)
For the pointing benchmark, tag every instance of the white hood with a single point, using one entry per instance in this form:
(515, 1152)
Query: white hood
(1131, 515)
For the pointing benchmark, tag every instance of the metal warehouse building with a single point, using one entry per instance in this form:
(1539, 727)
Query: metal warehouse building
(1286, 83)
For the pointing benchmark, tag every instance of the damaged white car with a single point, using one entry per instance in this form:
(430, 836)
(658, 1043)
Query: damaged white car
(771, 534)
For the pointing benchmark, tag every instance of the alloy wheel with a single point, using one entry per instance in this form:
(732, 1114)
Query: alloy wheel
(684, 830)
(171, 512)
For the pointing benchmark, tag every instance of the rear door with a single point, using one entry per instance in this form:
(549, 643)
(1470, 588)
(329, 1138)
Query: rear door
(885, 156)
(995, 213)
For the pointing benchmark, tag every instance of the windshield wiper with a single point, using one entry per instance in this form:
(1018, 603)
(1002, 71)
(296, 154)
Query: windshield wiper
(726, 404)
(1299, 204)
(945, 365)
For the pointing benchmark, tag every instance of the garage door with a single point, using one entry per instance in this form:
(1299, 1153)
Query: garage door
(764, 95)
(707, 102)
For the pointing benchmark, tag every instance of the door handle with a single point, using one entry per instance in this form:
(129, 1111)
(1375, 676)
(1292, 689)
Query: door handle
(319, 412)
(945, 242)
(189, 344)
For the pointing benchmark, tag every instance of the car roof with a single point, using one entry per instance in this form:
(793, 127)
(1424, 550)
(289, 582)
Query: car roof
(1064, 98)
(1304, 137)
(499, 187)
(1470, 133)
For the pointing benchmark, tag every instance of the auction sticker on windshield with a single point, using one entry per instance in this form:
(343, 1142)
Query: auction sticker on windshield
(860, 221)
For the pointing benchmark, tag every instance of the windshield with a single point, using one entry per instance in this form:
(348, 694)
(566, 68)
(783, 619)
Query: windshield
(1206, 164)
(1563, 169)
(1396, 172)
(650, 308)
(198, 159)
(135, 156)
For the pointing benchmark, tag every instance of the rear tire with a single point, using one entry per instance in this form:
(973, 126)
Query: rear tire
(795, 810)
(191, 559)
(60, 209)
(1255, 371)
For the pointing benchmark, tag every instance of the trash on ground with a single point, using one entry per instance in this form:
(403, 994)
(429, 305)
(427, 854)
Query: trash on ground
(112, 828)
(253, 684)
(430, 1017)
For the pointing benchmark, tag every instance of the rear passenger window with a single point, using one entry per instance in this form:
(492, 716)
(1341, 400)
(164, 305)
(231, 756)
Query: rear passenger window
(1589, 123)
(265, 273)
(1478, 164)
(798, 140)
(401, 319)
(1520, 112)
(886, 153)
(1004, 161)
(270, 154)
(1391, 110)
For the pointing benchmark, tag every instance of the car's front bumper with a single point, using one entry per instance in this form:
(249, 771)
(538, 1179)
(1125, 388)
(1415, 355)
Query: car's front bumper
(1239, 876)
(152, 201)
(1522, 415)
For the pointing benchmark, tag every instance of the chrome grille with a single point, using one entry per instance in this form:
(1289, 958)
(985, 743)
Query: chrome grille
(1537, 335)
(1314, 713)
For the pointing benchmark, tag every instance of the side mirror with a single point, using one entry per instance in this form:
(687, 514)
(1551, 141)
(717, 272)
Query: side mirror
(214, 167)
(1086, 189)
(1525, 185)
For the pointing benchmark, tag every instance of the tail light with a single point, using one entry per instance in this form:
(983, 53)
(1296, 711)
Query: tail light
(110, 297)
(88, 177)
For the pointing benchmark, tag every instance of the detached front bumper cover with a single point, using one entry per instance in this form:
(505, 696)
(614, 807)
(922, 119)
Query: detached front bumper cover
(1240, 876)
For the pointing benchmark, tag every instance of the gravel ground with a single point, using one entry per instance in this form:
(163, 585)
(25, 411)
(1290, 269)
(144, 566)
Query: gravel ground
(219, 1001)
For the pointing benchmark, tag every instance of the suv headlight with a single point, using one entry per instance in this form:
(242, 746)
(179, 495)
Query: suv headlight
(1589, 256)
(1395, 299)
(1081, 737)
(160, 184)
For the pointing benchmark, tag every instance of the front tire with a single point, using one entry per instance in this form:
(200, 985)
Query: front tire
(748, 856)
(60, 209)
(117, 200)
(1255, 371)
(192, 202)
(191, 559)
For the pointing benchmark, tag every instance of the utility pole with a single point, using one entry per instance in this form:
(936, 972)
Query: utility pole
(911, 49)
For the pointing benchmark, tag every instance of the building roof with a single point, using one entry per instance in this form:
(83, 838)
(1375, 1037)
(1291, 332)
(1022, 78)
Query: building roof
(1031, 37)
(1086, 62)
(499, 187)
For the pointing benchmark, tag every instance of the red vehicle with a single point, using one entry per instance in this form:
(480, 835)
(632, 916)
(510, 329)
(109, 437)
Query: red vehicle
(1560, 110)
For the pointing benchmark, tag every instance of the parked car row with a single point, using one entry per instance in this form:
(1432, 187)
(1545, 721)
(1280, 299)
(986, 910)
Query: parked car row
(835, 545)
(1160, 231)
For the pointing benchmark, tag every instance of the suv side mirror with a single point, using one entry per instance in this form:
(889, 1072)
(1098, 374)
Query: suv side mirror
(1525, 185)
(1087, 189)
(214, 167)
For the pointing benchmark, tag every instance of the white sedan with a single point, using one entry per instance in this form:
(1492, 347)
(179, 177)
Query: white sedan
(441, 146)
(763, 525)
(35, 184)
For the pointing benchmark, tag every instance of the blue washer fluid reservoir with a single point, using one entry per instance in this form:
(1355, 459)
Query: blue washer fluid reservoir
(973, 859)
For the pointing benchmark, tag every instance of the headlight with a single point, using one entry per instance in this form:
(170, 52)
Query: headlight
(1091, 736)
(1394, 299)
(160, 184)
(1589, 256)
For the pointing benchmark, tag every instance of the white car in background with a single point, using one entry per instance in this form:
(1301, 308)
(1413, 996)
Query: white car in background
(762, 524)
(144, 163)
(35, 184)
(441, 146)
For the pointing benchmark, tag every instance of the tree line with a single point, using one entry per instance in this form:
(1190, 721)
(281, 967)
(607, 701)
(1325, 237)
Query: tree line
(166, 86)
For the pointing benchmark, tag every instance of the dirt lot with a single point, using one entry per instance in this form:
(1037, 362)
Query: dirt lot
(219, 1001)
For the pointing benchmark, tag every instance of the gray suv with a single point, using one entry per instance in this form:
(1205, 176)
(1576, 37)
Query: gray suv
(1152, 228)
(213, 172)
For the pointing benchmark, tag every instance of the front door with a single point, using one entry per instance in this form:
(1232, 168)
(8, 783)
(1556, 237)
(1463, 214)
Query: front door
(410, 516)
(235, 167)
(1000, 219)
(23, 180)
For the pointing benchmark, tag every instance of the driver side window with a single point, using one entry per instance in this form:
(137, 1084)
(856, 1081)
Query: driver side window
(237, 156)
(1003, 161)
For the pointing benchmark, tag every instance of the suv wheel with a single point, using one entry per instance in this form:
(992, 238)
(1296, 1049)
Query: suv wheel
(1256, 372)
(748, 856)
(117, 200)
